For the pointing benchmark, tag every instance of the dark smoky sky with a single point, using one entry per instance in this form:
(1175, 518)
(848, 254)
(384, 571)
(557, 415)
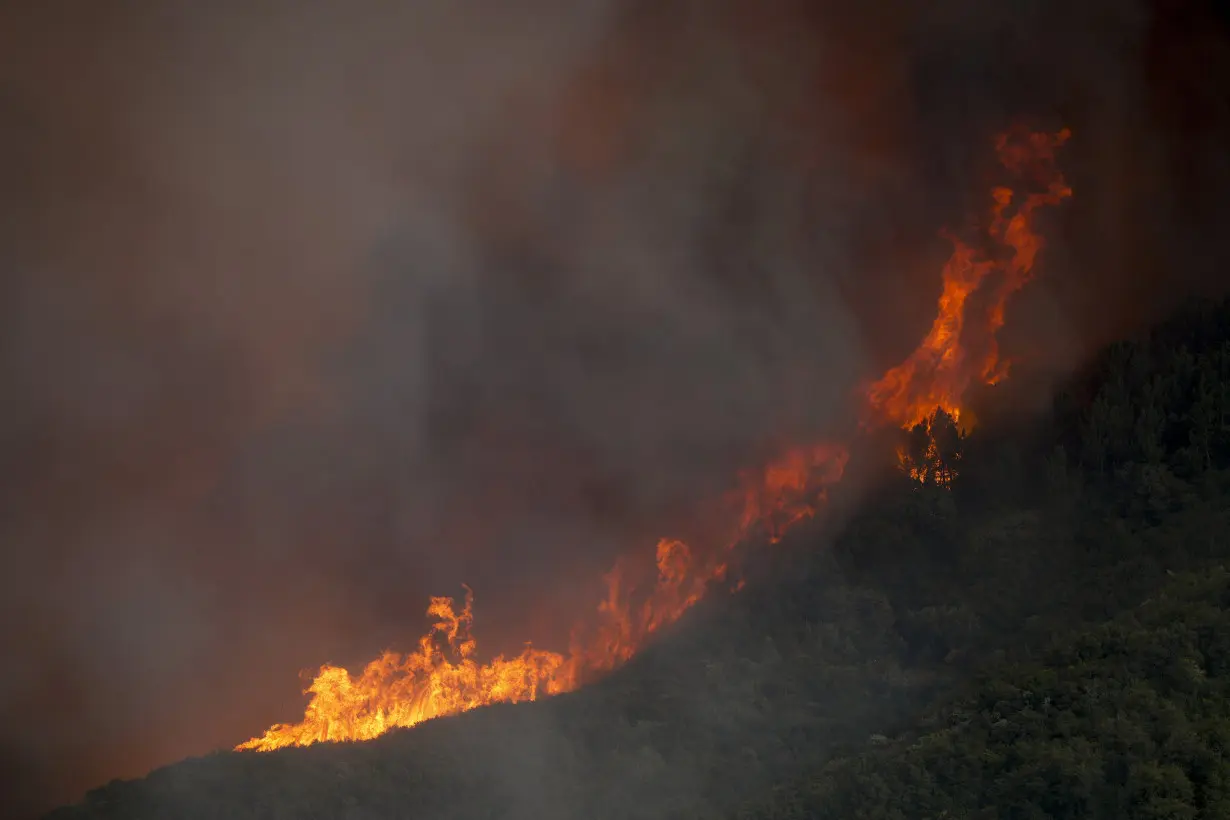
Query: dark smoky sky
(310, 310)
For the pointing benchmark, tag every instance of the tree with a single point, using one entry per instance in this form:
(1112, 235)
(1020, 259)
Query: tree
(947, 440)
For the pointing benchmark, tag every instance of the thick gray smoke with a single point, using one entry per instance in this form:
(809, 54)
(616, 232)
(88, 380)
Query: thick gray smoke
(311, 310)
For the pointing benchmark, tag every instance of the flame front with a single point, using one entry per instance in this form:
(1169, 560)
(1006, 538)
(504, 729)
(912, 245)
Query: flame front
(443, 676)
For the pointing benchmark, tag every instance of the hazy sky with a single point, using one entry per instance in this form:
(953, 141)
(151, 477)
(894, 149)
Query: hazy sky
(310, 310)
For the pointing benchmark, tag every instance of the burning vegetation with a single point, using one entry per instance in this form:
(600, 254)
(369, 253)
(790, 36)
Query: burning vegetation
(921, 396)
(944, 365)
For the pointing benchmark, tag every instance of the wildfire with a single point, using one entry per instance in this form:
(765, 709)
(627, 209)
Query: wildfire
(443, 676)
(942, 367)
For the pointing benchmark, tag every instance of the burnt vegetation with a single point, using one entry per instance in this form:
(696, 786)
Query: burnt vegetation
(1030, 621)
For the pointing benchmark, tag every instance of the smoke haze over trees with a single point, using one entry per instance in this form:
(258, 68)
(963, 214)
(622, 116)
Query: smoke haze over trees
(1040, 633)
(309, 311)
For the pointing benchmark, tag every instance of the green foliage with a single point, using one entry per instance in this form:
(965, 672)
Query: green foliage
(1038, 630)
(1123, 721)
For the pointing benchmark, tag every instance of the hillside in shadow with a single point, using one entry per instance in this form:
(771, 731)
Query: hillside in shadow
(1036, 629)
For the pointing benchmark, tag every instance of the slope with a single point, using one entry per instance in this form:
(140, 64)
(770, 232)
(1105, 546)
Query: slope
(1092, 618)
(846, 645)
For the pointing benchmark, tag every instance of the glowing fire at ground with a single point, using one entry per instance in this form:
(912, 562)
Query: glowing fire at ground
(443, 676)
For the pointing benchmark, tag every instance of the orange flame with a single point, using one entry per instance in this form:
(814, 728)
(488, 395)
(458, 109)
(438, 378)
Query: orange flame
(443, 678)
(940, 369)
(402, 691)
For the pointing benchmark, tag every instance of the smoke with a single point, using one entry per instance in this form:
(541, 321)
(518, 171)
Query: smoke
(311, 310)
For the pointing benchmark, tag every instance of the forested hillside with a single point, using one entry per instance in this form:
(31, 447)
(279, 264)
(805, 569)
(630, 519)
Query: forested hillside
(1028, 622)
(1076, 572)
(1126, 719)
